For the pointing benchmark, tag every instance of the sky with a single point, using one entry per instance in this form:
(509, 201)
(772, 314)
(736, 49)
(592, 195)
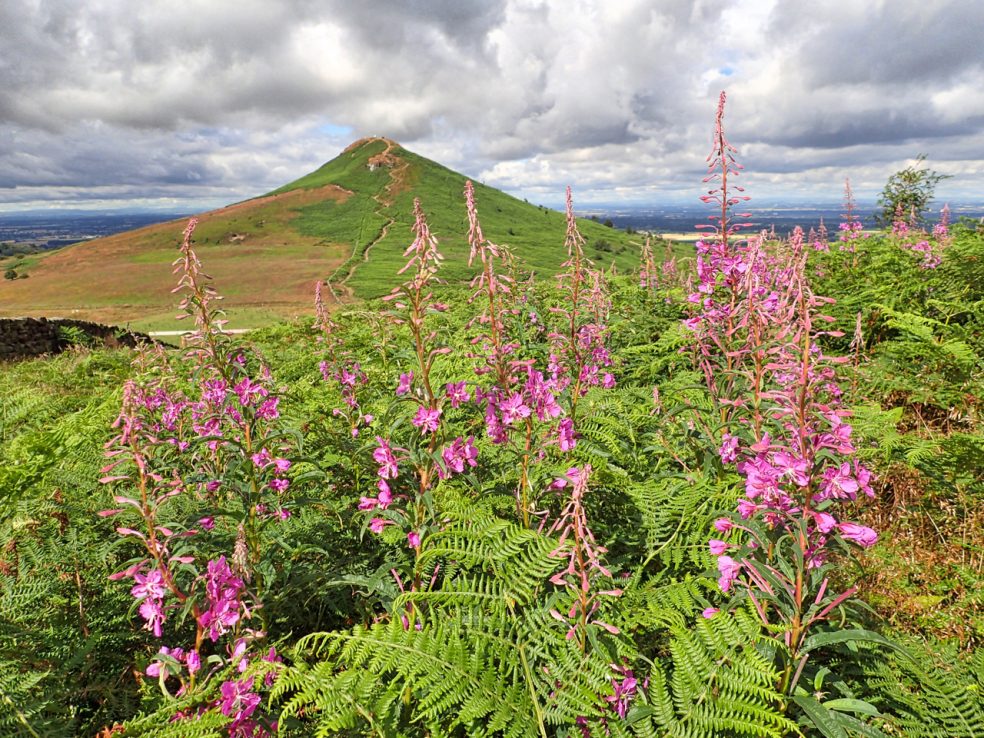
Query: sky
(184, 105)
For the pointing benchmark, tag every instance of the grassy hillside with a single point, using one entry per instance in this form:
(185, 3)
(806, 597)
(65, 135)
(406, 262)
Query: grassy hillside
(379, 213)
(348, 221)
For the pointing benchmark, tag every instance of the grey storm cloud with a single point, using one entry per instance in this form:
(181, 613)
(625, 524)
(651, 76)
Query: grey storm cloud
(208, 102)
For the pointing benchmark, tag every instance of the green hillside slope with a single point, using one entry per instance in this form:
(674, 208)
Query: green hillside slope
(385, 178)
(348, 222)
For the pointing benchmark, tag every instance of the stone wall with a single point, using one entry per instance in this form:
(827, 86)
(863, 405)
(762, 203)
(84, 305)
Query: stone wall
(26, 337)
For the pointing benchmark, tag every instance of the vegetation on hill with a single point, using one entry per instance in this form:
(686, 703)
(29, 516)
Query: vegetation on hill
(347, 222)
(386, 178)
(701, 499)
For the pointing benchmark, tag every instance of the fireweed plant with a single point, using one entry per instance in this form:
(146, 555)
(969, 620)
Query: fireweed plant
(907, 235)
(408, 470)
(758, 329)
(851, 228)
(340, 369)
(528, 407)
(502, 541)
(218, 448)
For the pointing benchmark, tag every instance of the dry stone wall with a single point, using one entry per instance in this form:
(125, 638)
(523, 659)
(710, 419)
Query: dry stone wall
(26, 337)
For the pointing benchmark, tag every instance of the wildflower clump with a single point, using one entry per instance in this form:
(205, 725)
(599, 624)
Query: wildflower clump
(211, 442)
(759, 331)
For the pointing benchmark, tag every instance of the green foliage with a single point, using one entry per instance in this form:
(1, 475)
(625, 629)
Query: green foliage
(910, 191)
(919, 699)
(488, 658)
(75, 336)
(721, 681)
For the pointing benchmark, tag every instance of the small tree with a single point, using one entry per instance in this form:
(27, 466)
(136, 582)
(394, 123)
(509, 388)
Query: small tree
(10, 274)
(910, 190)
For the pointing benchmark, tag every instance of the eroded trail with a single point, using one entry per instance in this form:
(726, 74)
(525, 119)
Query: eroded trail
(340, 290)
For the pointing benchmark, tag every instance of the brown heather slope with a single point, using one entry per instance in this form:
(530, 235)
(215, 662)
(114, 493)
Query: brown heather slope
(262, 266)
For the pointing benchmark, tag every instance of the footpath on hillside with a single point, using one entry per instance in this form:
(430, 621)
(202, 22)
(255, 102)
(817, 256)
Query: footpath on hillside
(397, 168)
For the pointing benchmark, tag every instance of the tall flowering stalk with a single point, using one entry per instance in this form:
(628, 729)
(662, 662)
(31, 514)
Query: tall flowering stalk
(851, 227)
(205, 343)
(339, 368)
(721, 262)
(579, 357)
(495, 289)
(584, 569)
(758, 330)
(406, 499)
(589, 583)
(722, 165)
(820, 238)
(648, 274)
(416, 298)
(907, 233)
(941, 231)
(219, 445)
(521, 404)
(799, 474)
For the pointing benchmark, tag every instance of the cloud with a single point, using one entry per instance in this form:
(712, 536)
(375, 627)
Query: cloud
(211, 102)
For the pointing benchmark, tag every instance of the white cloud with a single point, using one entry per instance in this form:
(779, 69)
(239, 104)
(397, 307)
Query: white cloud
(213, 101)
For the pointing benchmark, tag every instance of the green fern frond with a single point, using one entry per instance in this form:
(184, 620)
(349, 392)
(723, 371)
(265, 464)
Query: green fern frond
(718, 682)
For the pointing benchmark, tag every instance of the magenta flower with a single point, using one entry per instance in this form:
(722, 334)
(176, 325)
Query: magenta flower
(565, 435)
(747, 508)
(574, 474)
(151, 589)
(457, 393)
(792, 467)
(825, 522)
(513, 408)
(859, 534)
(729, 569)
(457, 455)
(839, 483)
(709, 613)
(723, 525)
(427, 420)
(376, 525)
(207, 523)
(222, 590)
(493, 428)
(149, 585)
(247, 390)
(279, 485)
(158, 666)
(406, 379)
(729, 449)
(262, 459)
(624, 692)
(268, 409)
(153, 612)
(717, 547)
(413, 539)
(238, 701)
(384, 457)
